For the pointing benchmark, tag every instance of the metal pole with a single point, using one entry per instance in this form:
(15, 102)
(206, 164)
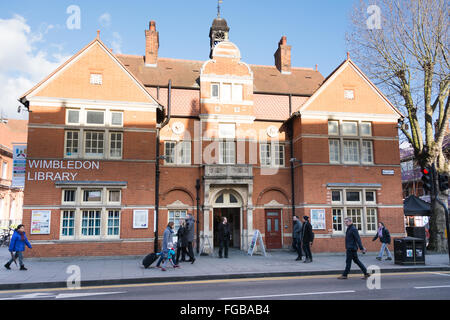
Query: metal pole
(197, 186)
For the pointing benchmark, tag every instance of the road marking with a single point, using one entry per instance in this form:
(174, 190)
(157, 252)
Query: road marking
(177, 283)
(289, 295)
(40, 295)
(432, 287)
(441, 274)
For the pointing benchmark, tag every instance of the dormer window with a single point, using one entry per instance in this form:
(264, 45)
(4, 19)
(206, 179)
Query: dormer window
(96, 78)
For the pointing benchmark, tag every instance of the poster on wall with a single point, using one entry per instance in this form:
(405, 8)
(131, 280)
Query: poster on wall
(40, 222)
(318, 219)
(140, 219)
(19, 165)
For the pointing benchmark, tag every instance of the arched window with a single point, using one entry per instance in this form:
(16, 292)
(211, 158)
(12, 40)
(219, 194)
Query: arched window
(227, 199)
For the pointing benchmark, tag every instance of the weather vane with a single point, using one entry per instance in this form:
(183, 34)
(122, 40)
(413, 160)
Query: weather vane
(218, 7)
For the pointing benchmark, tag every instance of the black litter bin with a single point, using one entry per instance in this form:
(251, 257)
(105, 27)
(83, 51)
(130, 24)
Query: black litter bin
(409, 251)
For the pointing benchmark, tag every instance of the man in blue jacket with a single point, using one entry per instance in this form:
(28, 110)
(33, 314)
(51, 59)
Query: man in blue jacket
(352, 243)
(17, 245)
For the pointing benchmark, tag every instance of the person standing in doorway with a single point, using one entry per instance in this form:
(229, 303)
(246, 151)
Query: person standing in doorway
(190, 224)
(17, 245)
(385, 238)
(224, 237)
(307, 239)
(297, 236)
(352, 243)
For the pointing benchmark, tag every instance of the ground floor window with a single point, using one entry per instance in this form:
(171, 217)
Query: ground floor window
(113, 222)
(68, 224)
(91, 223)
(177, 216)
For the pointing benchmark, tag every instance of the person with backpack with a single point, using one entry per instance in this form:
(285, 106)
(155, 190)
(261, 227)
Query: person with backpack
(385, 239)
(17, 245)
(297, 237)
(181, 243)
(307, 239)
(352, 243)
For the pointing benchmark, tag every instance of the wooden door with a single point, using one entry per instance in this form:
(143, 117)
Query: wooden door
(273, 229)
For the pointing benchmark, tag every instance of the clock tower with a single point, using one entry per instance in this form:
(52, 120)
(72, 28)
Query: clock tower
(219, 31)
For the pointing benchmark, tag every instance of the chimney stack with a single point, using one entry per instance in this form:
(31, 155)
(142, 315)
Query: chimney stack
(283, 56)
(151, 45)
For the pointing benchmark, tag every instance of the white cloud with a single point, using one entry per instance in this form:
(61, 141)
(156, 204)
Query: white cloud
(105, 20)
(21, 64)
(116, 43)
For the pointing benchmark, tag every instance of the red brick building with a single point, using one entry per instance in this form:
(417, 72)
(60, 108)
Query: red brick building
(263, 141)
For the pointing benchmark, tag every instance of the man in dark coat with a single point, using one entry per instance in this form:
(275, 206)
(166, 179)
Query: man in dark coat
(224, 237)
(352, 243)
(181, 243)
(297, 237)
(190, 224)
(307, 239)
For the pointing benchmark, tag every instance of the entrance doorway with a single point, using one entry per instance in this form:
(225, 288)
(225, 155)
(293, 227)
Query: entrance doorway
(273, 229)
(233, 216)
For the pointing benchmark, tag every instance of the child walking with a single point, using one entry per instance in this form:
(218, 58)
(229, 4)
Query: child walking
(17, 245)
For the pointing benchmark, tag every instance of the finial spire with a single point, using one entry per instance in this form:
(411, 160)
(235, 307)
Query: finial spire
(219, 2)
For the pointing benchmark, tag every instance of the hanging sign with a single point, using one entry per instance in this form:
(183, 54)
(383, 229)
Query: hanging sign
(257, 236)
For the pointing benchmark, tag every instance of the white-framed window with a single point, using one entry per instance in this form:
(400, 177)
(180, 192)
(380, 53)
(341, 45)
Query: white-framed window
(338, 219)
(238, 90)
(333, 128)
(176, 216)
(73, 116)
(115, 142)
(92, 196)
(349, 128)
(351, 151)
(177, 153)
(367, 152)
(226, 92)
(4, 170)
(114, 196)
(68, 223)
(334, 150)
(272, 154)
(227, 152)
(91, 223)
(365, 129)
(360, 205)
(113, 225)
(94, 143)
(96, 78)
(215, 91)
(72, 143)
(117, 118)
(371, 220)
(95, 117)
(69, 196)
(227, 131)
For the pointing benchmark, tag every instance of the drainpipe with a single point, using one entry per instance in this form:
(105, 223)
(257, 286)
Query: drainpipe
(197, 187)
(158, 157)
(291, 138)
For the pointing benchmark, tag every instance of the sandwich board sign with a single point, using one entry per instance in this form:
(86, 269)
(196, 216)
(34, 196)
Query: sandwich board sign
(257, 236)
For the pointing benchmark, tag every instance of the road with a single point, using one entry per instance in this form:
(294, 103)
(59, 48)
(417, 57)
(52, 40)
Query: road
(395, 286)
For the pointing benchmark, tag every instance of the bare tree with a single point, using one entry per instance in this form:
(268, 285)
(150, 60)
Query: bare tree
(403, 45)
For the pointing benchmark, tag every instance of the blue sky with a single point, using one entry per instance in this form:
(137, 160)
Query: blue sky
(315, 30)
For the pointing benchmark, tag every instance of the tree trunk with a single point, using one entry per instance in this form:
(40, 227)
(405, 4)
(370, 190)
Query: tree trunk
(438, 241)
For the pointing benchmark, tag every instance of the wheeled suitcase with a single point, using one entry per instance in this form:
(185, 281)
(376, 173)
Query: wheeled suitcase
(149, 259)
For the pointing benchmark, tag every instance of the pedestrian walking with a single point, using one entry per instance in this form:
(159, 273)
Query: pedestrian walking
(307, 239)
(169, 257)
(385, 239)
(181, 243)
(297, 237)
(352, 243)
(167, 238)
(190, 223)
(17, 245)
(224, 237)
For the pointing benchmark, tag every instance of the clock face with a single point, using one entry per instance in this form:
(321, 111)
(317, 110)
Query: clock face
(178, 128)
(272, 131)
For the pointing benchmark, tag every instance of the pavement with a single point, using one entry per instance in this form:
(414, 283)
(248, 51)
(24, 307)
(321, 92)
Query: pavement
(98, 271)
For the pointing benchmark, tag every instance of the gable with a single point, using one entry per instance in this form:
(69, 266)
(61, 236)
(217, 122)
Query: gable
(73, 79)
(367, 99)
